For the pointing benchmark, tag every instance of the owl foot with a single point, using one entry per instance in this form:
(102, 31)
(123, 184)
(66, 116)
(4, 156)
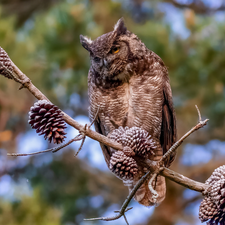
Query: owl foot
(153, 191)
(116, 125)
(152, 183)
(125, 120)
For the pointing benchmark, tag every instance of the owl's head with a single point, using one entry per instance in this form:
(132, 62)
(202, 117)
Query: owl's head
(111, 53)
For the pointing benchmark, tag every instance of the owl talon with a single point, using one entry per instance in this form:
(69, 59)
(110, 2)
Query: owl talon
(125, 120)
(116, 126)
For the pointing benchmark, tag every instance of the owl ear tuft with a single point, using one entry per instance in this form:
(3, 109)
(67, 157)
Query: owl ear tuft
(120, 27)
(86, 42)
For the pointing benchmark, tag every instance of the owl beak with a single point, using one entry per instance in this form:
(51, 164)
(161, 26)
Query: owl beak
(101, 63)
(105, 63)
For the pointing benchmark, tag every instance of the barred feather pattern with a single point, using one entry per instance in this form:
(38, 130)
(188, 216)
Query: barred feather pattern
(136, 138)
(5, 64)
(212, 208)
(48, 120)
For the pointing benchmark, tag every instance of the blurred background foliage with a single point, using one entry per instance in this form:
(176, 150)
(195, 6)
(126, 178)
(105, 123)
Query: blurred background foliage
(42, 38)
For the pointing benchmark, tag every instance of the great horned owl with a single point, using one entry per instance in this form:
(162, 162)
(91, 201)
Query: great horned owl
(129, 87)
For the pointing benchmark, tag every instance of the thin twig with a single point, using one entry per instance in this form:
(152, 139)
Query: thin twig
(125, 218)
(84, 134)
(28, 154)
(126, 202)
(53, 150)
(117, 211)
(77, 138)
(95, 116)
(179, 142)
(199, 114)
(83, 139)
(81, 145)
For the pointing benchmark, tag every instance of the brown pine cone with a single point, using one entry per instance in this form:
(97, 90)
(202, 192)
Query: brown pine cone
(47, 119)
(123, 166)
(217, 193)
(135, 138)
(118, 134)
(217, 174)
(5, 64)
(217, 186)
(128, 151)
(207, 210)
(212, 208)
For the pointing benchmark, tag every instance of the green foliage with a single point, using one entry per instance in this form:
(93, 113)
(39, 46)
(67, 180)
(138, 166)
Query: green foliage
(29, 210)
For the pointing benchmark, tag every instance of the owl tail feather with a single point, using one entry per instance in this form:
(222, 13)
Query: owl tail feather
(145, 197)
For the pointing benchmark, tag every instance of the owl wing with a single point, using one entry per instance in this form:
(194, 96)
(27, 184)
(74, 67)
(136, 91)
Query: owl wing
(105, 149)
(168, 129)
(95, 99)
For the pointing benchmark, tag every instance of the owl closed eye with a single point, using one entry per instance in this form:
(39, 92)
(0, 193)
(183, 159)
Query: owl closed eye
(109, 53)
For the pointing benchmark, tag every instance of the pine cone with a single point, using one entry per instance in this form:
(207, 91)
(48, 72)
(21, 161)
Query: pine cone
(217, 186)
(5, 64)
(47, 119)
(207, 209)
(212, 208)
(217, 175)
(128, 151)
(135, 138)
(118, 134)
(123, 166)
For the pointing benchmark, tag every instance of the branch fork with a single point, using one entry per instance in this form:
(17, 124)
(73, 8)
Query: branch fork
(154, 168)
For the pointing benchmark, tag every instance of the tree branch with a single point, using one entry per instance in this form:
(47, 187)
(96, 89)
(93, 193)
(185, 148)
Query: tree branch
(126, 202)
(155, 168)
(180, 141)
(184, 181)
(53, 150)
(26, 83)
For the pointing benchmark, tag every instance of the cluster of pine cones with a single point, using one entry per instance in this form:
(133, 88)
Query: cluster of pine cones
(136, 142)
(212, 208)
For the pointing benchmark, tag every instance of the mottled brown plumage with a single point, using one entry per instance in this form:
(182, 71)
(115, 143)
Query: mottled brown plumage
(129, 84)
